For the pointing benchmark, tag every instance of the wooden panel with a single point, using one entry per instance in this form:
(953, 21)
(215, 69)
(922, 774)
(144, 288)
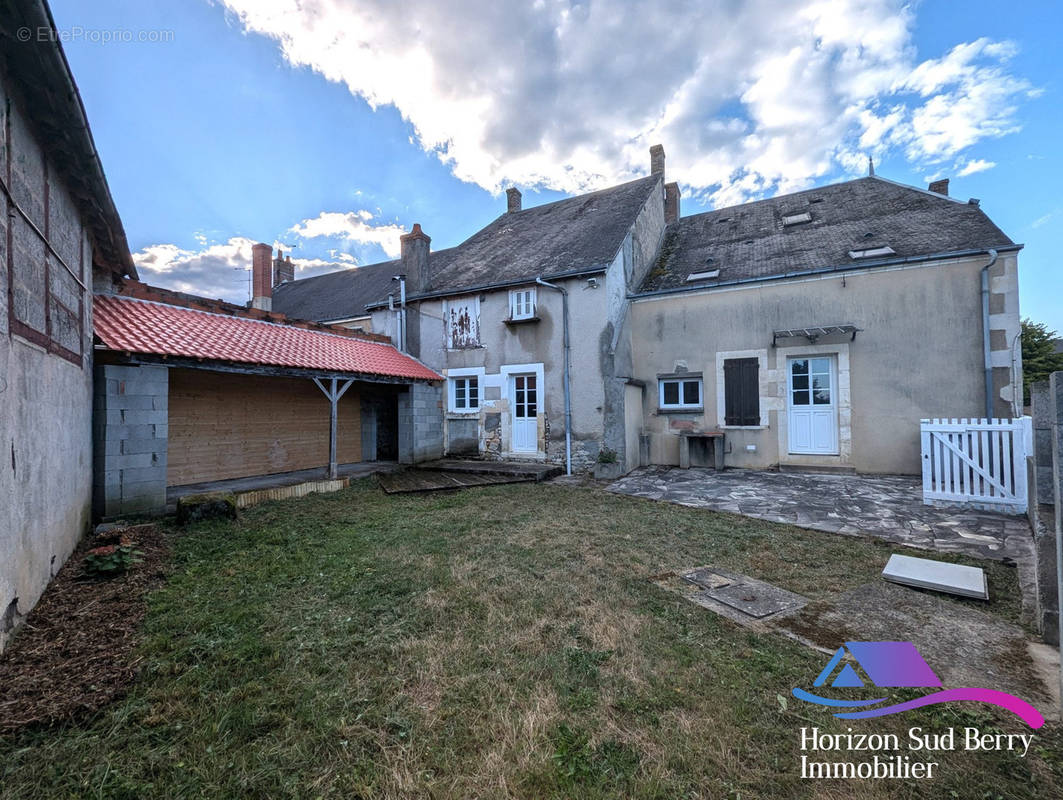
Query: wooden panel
(233, 426)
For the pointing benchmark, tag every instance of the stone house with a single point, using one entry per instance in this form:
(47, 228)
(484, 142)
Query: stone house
(59, 235)
(810, 330)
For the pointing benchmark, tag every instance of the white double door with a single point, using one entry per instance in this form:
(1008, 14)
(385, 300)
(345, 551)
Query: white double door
(524, 391)
(812, 415)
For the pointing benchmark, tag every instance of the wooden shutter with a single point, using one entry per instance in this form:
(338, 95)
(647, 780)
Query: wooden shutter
(741, 382)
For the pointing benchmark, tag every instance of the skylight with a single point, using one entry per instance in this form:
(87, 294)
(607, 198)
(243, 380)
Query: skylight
(796, 219)
(871, 252)
(703, 276)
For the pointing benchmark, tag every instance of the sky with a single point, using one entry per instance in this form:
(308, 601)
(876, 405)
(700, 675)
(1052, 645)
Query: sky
(328, 127)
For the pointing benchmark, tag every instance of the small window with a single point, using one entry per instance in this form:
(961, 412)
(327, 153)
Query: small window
(522, 304)
(703, 276)
(680, 393)
(465, 393)
(796, 219)
(871, 252)
(741, 387)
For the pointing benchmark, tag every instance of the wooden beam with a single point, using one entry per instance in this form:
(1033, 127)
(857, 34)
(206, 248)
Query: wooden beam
(258, 369)
(333, 394)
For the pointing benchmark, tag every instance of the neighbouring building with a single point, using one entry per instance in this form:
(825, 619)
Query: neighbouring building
(811, 330)
(191, 391)
(59, 235)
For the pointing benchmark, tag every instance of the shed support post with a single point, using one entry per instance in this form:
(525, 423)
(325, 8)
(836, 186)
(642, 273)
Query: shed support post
(333, 394)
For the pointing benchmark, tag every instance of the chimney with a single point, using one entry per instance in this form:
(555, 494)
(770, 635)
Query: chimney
(940, 187)
(283, 269)
(671, 202)
(657, 160)
(512, 200)
(414, 258)
(262, 276)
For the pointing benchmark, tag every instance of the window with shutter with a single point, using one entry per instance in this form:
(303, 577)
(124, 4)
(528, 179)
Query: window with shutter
(741, 381)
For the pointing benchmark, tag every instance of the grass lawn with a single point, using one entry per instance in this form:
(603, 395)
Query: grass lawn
(500, 642)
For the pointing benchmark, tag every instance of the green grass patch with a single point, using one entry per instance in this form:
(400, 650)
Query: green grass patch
(501, 642)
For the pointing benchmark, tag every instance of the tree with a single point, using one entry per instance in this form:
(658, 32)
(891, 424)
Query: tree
(1040, 354)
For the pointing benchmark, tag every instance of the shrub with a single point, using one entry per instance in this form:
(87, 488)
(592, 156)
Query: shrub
(111, 559)
(606, 456)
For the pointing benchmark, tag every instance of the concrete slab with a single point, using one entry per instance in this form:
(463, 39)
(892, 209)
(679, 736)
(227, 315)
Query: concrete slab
(740, 598)
(757, 600)
(939, 576)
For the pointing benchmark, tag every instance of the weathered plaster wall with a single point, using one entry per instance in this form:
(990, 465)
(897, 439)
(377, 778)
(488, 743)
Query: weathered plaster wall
(919, 355)
(46, 400)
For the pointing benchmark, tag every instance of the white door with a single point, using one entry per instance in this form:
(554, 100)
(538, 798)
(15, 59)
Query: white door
(813, 414)
(525, 396)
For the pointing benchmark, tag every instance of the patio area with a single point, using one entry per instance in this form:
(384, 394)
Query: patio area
(884, 506)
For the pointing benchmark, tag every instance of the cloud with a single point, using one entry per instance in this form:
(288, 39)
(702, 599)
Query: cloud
(977, 165)
(1044, 220)
(217, 270)
(353, 227)
(748, 98)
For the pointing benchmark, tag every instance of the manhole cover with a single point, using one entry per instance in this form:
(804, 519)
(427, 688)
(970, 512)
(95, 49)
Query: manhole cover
(707, 578)
(756, 601)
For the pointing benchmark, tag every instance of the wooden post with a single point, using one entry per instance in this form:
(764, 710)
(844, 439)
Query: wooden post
(334, 398)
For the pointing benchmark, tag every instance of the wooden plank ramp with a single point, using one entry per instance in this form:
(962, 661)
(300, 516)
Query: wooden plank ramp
(433, 480)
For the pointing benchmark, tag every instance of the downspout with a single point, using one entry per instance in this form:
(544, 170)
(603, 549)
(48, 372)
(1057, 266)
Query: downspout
(565, 381)
(986, 351)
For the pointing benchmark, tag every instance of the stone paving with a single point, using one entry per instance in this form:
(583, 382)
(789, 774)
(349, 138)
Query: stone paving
(885, 506)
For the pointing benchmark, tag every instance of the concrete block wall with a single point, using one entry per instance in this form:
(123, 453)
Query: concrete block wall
(130, 432)
(1042, 413)
(421, 423)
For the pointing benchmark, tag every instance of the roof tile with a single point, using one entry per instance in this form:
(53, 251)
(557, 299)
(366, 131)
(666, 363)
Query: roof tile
(142, 326)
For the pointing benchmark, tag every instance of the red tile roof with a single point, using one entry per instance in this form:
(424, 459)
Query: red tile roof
(141, 326)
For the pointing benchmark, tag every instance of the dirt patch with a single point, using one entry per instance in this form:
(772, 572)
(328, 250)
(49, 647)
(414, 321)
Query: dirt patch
(965, 645)
(74, 653)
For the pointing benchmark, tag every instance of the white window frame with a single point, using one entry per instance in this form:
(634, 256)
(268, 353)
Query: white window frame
(453, 376)
(522, 303)
(681, 406)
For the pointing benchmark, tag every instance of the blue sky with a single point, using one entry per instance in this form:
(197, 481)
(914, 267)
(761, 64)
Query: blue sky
(331, 126)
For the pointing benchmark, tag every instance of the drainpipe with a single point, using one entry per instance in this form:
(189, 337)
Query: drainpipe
(986, 352)
(568, 391)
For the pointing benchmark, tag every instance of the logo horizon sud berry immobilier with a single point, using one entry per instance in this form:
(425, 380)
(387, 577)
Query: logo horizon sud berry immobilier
(889, 665)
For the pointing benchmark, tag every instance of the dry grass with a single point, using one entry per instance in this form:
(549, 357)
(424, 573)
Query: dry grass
(503, 642)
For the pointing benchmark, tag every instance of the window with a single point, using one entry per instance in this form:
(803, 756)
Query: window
(810, 382)
(680, 393)
(703, 276)
(462, 323)
(465, 393)
(871, 252)
(522, 304)
(796, 219)
(741, 386)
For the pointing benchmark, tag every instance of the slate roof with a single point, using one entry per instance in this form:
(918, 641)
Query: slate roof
(336, 295)
(142, 326)
(572, 236)
(750, 242)
(578, 234)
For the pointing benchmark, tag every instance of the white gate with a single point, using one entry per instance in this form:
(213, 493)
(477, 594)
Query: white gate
(978, 463)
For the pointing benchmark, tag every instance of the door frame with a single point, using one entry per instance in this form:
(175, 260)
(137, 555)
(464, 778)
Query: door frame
(842, 403)
(832, 367)
(507, 373)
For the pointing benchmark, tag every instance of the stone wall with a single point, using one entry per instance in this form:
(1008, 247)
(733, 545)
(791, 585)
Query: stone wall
(130, 434)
